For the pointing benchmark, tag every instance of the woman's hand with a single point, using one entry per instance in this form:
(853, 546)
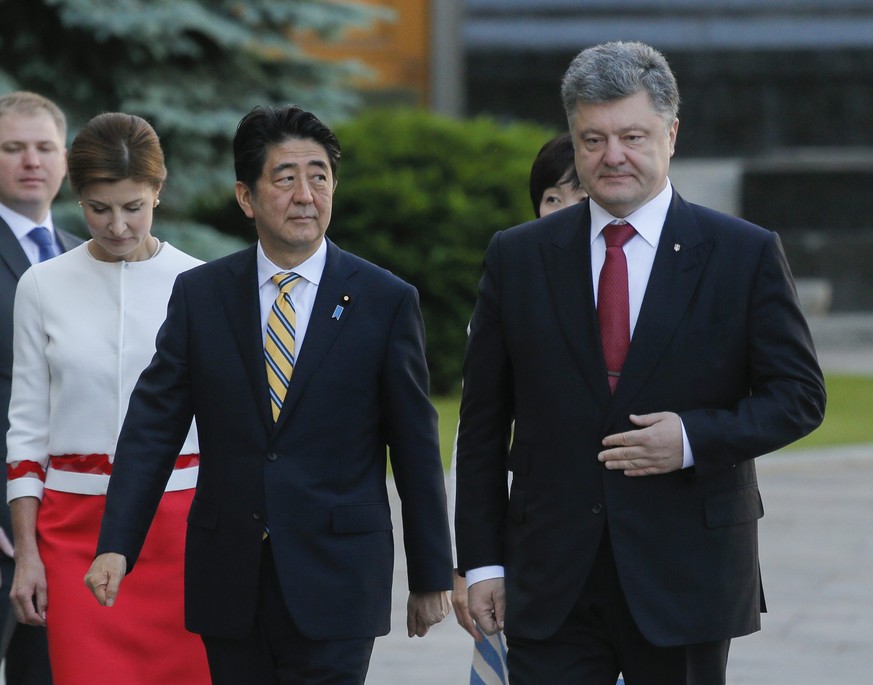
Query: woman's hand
(29, 597)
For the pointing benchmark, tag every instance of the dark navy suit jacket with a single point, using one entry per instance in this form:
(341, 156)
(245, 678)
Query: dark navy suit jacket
(317, 478)
(720, 340)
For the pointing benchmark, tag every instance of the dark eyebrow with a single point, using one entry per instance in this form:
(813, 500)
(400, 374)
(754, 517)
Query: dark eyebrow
(293, 165)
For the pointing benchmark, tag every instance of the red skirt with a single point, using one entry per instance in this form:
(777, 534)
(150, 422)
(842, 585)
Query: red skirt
(141, 640)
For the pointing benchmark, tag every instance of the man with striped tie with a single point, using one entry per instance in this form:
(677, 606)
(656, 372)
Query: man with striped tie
(302, 365)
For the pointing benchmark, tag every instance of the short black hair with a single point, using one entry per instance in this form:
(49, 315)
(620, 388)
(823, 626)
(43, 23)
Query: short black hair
(265, 126)
(554, 164)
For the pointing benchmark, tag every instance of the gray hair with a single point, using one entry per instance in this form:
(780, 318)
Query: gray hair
(616, 70)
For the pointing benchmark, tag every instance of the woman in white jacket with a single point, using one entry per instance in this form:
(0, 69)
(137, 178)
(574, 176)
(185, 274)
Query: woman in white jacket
(84, 328)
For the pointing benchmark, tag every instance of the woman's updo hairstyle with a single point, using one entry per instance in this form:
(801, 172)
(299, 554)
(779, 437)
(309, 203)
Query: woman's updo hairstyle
(115, 147)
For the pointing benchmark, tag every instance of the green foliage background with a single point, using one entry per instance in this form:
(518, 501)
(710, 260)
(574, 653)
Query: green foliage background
(191, 67)
(421, 195)
(418, 194)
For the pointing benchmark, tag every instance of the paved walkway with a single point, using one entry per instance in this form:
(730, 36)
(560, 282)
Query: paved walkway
(817, 563)
(816, 557)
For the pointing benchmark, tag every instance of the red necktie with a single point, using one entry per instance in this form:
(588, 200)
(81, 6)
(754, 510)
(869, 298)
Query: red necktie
(613, 311)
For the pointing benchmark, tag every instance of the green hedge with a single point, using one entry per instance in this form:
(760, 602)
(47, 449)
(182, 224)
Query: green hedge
(421, 195)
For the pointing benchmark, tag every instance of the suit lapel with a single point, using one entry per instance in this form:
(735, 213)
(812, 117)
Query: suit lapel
(13, 254)
(680, 259)
(11, 251)
(567, 259)
(325, 323)
(243, 310)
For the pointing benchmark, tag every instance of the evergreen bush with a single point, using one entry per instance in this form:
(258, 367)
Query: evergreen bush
(421, 195)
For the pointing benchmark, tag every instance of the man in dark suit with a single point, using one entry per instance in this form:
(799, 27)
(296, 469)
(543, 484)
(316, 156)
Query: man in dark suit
(643, 381)
(289, 551)
(32, 167)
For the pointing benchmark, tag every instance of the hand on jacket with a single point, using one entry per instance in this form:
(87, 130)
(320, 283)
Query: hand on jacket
(655, 448)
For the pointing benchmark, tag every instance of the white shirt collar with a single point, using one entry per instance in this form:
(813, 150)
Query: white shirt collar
(22, 225)
(648, 220)
(311, 269)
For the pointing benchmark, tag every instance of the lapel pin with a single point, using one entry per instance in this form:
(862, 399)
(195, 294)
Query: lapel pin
(338, 312)
(676, 247)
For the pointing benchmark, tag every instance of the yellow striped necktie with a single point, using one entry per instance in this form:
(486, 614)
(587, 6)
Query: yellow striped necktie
(279, 341)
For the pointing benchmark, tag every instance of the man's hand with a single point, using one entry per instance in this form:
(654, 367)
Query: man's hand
(105, 575)
(425, 609)
(487, 600)
(28, 595)
(459, 604)
(655, 448)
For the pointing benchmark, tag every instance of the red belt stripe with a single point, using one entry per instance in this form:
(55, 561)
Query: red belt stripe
(98, 464)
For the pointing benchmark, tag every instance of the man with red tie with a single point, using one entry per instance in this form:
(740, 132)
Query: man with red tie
(648, 350)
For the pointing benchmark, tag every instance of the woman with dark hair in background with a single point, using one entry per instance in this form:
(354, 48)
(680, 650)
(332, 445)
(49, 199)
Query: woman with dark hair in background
(77, 356)
(553, 180)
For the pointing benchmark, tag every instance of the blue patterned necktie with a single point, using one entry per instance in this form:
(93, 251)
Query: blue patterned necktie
(43, 238)
(280, 341)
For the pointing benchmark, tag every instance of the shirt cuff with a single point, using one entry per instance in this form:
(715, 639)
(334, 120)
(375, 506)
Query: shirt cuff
(687, 454)
(477, 575)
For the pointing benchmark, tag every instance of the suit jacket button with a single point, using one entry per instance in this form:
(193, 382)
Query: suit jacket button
(256, 516)
(272, 456)
(597, 508)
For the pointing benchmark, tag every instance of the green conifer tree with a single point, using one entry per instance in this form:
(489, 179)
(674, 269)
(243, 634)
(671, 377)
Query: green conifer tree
(191, 67)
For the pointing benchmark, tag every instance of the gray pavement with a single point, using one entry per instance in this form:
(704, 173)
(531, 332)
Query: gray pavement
(817, 564)
(816, 558)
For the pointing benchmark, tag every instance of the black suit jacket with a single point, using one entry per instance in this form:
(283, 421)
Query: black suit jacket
(720, 340)
(316, 478)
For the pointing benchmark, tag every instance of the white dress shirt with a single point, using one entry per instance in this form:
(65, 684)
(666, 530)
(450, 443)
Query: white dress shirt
(303, 294)
(640, 250)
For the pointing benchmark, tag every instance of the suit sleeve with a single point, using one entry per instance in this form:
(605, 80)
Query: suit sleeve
(154, 429)
(413, 441)
(487, 407)
(786, 398)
